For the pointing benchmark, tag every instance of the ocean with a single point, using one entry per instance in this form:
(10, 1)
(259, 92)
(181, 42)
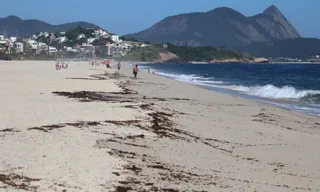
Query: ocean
(291, 86)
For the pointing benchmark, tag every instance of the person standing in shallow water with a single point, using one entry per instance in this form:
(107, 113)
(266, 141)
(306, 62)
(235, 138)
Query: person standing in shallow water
(135, 71)
(119, 66)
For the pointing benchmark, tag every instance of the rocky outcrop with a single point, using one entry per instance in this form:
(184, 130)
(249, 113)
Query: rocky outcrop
(220, 27)
(167, 56)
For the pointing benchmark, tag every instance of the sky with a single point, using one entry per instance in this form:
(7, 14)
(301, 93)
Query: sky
(129, 16)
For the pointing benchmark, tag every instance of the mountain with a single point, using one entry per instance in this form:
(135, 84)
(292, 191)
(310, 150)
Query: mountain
(220, 27)
(275, 24)
(15, 26)
(302, 48)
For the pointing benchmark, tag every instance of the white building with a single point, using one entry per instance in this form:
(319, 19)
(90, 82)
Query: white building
(80, 36)
(70, 49)
(52, 50)
(100, 33)
(115, 38)
(91, 40)
(45, 34)
(115, 49)
(1, 37)
(19, 47)
(86, 45)
(42, 47)
(62, 39)
(32, 44)
(126, 45)
(13, 39)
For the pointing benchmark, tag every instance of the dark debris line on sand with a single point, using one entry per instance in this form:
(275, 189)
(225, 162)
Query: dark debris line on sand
(8, 130)
(48, 128)
(124, 96)
(18, 181)
(163, 127)
(100, 77)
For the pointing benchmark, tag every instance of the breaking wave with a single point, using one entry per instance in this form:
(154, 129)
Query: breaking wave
(267, 91)
(285, 92)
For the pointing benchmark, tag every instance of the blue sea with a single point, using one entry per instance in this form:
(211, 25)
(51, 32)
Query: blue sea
(291, 86)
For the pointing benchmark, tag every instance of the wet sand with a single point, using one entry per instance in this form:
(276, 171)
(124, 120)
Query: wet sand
(91, 129)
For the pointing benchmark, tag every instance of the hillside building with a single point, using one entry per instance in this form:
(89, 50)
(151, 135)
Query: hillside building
(19, 46)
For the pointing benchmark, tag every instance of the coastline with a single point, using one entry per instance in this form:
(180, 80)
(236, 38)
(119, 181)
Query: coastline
(307, 62)
(151, 133)
(230, 62)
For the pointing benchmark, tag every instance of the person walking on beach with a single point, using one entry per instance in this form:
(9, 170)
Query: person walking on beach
(135, 71)
(119, 66)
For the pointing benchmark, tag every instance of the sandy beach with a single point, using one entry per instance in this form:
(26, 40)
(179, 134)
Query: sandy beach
(92, 129)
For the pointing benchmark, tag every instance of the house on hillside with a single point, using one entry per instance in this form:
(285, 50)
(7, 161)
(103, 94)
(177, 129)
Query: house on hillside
(70, 49)
(91, 40)
(13, 39)
(115, 38)
(45, 34)
(32, 44)
(42, 47)
(61, 39)
(52, 50)
(34, 37)
(19, 46)
(115, 49)
(101, 33)
(4, 45)
(87, 48)
(80, 36)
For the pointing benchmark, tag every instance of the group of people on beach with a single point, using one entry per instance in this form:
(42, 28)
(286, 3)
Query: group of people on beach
(61, 65)
(153, 71)
(136, 70)
(94, 63)
(106, 63)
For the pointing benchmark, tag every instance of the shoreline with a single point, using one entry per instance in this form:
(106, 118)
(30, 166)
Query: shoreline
(151, 133)
(287, 104)
(235, 63)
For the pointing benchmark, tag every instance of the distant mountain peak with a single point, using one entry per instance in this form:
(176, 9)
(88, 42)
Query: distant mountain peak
(17, 26)
(12, 17)
(272, 10)
(220, 26)
(222, 9)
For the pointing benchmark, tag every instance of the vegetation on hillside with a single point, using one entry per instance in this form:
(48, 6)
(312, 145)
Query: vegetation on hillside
(205, 54)
(72, 38)
(145, 54)
(202, 54)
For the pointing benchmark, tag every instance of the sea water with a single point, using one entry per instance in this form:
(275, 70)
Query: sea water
(291, 86)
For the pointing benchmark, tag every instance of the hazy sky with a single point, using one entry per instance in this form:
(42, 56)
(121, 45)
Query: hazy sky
(128, 16)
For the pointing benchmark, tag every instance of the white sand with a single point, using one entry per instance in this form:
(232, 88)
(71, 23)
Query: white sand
(221, 143)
